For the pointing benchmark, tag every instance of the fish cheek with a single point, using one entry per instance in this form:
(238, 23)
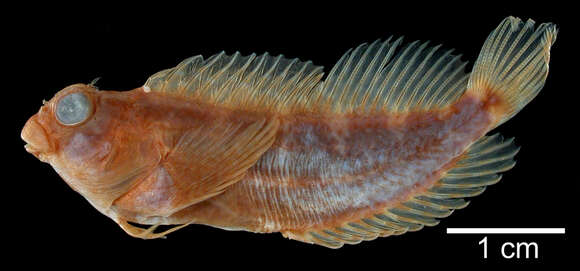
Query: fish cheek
(83, 149)
(87, 153)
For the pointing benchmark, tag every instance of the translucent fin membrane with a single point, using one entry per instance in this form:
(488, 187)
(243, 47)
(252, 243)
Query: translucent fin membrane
(513, 63)
(385, 76)
(382, 76)
(479, 168)
(263, 83)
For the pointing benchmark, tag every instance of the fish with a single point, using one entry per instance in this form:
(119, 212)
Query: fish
(394, 138)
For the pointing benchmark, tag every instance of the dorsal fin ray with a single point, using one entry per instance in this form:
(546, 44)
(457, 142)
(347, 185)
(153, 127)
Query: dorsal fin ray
(384, 77)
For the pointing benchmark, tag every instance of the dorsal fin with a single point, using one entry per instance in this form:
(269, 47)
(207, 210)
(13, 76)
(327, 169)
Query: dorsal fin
(263, 83)
(478, 168)
(382, 76)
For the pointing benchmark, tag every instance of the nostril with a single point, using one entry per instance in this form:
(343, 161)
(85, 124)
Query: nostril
(34, 134)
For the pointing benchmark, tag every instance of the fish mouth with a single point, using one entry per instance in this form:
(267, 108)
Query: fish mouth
(38, 154)
(36, 138)
(42, 156)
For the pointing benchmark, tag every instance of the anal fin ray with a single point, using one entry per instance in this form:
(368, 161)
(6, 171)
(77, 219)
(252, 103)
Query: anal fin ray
(478, 168)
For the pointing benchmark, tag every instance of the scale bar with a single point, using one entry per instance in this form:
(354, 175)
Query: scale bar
(506, 230)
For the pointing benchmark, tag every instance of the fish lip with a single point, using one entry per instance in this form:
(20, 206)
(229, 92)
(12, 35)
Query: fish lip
(36, 138)
(31, 149)
(38, 154)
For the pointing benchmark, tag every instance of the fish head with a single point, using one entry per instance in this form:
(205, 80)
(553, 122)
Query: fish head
(79, 133)
(58, 120)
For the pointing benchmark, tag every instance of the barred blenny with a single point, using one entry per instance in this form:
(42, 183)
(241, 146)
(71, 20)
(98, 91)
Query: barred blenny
(392, 139)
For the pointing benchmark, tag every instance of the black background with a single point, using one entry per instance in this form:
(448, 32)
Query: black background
(48, 223)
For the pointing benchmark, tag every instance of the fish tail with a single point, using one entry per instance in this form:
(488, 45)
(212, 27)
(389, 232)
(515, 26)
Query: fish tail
(512, 66)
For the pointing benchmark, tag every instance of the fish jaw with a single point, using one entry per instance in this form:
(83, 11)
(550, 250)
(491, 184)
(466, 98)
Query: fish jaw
(38, 143)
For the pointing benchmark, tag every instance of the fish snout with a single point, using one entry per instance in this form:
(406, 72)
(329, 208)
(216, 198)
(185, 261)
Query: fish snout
(36, 138)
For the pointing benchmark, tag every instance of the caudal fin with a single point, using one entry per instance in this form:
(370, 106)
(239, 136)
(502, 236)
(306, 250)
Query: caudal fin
(512, 66)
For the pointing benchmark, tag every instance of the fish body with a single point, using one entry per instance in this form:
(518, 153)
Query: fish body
(323, 171)
(392, 139)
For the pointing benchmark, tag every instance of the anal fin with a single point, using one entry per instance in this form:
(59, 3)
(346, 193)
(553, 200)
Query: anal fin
(478, 168)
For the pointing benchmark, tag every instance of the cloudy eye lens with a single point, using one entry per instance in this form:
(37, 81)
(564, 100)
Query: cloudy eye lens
(73, 109)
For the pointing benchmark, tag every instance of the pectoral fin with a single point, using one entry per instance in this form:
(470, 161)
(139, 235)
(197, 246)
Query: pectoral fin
(211, 157)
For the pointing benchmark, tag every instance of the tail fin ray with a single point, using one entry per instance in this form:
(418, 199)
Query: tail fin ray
(513, 64)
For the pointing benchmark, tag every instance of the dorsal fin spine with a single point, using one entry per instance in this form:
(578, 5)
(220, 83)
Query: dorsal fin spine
(265, 77)
(196, 61)
(283, 84)
(278, 82)
(212, 60)
(252, 74)
(218, 95)
(239, 75)
(292, 94)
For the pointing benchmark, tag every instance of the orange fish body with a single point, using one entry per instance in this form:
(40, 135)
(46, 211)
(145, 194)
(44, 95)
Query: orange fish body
(391, 140)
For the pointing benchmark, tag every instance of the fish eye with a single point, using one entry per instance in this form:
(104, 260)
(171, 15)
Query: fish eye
(73, 108)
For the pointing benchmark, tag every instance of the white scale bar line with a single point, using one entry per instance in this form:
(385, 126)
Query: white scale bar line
(506, 230)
